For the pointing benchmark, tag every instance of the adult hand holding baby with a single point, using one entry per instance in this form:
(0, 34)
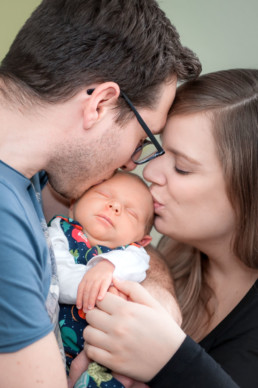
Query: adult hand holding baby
(119, 332)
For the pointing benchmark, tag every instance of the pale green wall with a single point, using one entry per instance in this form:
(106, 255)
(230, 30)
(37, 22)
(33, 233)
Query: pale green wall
(223, 33)
(13, 14)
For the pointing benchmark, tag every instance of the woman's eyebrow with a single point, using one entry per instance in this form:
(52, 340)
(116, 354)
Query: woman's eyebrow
(182, 155)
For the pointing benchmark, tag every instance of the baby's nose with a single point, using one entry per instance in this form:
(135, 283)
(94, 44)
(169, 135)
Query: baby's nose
(115, 206)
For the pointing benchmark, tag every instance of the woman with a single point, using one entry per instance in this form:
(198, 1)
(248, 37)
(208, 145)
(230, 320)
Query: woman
(205, 195)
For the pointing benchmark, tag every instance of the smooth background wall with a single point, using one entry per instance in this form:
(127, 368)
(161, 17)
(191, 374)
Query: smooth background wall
(223, 33)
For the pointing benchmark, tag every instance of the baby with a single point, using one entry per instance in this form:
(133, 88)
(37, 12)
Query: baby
(103, 238)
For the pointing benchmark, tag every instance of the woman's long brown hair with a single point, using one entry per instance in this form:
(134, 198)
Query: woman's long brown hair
(230, 99)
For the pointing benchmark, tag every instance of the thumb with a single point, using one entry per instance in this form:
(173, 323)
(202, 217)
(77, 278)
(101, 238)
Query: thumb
(136, 293)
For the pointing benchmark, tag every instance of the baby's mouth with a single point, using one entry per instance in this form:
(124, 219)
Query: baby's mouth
(106, 219)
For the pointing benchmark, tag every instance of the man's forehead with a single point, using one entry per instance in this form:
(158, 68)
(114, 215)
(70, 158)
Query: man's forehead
(160, 112)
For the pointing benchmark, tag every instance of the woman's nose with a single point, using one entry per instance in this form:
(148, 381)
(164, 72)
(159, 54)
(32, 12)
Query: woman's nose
(115, 206)
(154, 171)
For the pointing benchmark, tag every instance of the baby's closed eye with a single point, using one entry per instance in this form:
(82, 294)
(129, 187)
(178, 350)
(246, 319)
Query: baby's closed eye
(132, 213)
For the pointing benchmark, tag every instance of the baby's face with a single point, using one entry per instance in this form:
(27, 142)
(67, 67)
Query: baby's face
(114, 212)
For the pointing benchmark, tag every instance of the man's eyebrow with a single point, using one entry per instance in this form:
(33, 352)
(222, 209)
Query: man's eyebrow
(182, 155)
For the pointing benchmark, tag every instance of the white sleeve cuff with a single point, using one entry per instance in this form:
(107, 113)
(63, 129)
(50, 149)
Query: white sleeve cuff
(130, 263)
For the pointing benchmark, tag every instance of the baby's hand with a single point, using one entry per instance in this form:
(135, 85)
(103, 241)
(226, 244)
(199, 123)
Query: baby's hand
(94, 285)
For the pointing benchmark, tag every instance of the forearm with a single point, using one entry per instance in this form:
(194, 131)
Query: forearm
(158, 270)
(192, 366)
(39, 364)
(162, 290)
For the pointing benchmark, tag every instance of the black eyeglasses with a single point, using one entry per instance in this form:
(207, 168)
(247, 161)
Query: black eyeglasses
(150, 148)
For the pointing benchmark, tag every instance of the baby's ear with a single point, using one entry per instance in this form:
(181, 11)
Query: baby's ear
(145, 241)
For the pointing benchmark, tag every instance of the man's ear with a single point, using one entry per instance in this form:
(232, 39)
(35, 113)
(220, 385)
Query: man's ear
(145, 241)
(99, 102)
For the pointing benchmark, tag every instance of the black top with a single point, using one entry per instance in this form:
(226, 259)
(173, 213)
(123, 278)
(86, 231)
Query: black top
(226, 358)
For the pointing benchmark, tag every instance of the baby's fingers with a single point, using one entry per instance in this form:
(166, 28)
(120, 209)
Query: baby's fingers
(103, 288)
(90, 295)
(80, 292)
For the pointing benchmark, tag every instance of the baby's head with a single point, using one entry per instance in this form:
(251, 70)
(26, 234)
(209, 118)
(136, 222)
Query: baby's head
(116, 212)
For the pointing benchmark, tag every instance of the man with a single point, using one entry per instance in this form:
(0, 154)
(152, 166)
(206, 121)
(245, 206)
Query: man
(64, 109)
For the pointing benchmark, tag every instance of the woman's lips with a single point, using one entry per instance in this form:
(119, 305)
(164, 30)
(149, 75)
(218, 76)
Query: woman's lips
(157, 205)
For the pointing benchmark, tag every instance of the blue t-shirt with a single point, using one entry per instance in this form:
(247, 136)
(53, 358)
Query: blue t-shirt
(25, 265)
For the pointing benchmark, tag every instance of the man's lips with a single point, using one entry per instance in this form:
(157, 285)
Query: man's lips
(105, 219)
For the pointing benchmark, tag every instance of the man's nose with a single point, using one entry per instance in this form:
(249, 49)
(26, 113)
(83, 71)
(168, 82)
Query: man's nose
(128, 166)
(115, 206)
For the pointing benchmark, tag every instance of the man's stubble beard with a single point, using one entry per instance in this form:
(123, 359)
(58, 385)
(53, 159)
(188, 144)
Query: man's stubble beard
(77, 167)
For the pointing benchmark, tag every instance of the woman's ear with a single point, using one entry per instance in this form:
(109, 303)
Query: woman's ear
(99, 102)
(145, 241)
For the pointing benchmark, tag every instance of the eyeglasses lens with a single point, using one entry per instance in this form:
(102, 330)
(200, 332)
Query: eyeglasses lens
(144, 152)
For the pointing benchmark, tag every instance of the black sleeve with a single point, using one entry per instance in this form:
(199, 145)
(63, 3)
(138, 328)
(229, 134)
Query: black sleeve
(192, 367)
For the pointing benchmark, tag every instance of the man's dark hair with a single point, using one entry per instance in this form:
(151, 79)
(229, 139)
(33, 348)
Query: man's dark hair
(68, 44)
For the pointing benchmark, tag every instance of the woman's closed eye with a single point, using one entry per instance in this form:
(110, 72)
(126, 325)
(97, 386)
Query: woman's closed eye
(181, 171)
(182, 164)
